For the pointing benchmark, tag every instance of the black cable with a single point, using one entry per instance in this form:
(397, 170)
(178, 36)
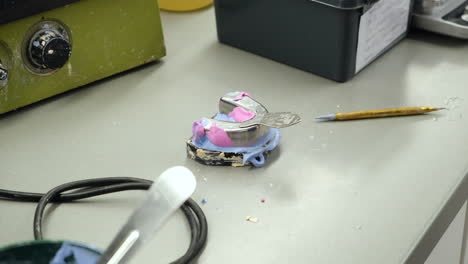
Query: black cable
(94, 187)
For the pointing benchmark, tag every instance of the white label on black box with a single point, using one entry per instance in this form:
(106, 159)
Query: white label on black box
(380, 26)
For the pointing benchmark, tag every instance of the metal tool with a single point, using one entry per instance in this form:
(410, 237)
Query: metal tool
(447, 17)
(275, 120)
(166, 195)
(379, 113)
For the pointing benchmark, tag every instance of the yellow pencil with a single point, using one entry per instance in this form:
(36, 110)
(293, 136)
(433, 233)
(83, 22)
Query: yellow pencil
(405, 111)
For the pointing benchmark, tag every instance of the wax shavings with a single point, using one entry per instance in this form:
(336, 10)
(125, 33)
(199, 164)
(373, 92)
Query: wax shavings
(453, 102)
(455, 107)
(251, 219)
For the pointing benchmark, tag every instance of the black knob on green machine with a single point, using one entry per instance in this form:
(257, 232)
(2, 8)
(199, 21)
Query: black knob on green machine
(49, 49)
(3, 76)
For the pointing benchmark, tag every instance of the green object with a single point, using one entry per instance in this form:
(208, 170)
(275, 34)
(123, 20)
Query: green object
(49, 252)
(107, 37)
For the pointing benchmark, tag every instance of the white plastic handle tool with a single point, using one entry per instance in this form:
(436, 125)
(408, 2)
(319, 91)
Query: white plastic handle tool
(165, 196)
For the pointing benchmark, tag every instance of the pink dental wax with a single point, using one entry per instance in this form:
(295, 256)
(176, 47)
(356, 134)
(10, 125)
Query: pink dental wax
(218, 136)
(241, 95)
(198, 131)
(241, 115)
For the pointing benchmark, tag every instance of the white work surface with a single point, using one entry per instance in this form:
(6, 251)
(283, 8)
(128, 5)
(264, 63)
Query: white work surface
(365, 192)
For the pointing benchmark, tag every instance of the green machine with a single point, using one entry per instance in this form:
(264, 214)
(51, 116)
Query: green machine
(48, 47)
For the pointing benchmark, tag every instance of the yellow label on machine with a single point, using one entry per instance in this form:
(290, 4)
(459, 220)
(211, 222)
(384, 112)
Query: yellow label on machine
(183, 5)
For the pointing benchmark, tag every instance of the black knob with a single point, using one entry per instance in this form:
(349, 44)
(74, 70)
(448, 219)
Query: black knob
(3, 76)
(49, 50)
(3, 73)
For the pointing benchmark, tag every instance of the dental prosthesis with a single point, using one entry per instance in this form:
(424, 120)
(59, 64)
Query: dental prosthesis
(223, 139)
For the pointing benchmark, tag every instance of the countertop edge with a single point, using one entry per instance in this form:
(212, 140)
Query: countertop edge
(427, 242)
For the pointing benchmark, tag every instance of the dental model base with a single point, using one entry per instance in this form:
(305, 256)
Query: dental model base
(238, 134)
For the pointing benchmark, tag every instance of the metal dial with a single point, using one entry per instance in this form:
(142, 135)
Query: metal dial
(49, 49)
(3, 76)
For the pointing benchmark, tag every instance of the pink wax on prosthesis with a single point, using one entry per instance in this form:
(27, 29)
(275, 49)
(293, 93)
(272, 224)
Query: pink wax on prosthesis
(240, 114)
(242, 95)
(198, 131)
(218, 136)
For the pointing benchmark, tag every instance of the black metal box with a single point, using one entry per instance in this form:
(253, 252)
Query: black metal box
(332, 38)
